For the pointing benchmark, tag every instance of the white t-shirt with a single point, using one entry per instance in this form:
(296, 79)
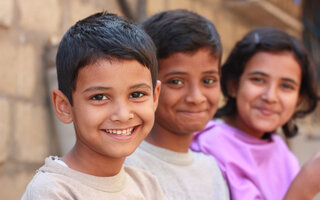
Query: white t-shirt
(182, 176)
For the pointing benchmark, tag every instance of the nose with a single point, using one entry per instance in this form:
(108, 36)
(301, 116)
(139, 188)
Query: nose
(270, 94)
(195, 95)
(121, 112)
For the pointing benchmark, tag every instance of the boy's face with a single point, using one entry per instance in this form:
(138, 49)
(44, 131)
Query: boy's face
(113, 107)
(190, 91)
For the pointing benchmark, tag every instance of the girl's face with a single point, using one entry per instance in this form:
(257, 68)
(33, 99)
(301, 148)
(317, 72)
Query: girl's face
(267, 93)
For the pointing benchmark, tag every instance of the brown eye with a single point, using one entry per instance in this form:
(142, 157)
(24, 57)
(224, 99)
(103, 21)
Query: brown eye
(287, 86)
(209, 81)
(99, 97)
(175, 82)
(137, 94)
(257, 80)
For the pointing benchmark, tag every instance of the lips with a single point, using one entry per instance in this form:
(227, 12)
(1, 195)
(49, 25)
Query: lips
(193, 113)
(192, 110)
(266, 111)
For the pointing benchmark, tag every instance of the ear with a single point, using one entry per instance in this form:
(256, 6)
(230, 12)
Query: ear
(62, 106)
(156, 94)
(232, 87)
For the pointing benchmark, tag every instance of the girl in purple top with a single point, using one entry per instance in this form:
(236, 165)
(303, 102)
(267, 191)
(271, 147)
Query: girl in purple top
(268, 81)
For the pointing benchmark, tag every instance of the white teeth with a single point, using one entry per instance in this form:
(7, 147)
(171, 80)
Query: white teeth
(120, 132)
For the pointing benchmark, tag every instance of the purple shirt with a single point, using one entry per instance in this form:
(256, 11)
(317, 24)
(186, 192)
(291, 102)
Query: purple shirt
(254, 168)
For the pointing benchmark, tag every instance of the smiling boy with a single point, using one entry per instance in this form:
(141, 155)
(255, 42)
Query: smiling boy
(107, 73)
(189, 52)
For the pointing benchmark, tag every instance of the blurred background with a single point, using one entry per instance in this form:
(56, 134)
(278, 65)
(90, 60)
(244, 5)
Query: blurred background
(30, 31)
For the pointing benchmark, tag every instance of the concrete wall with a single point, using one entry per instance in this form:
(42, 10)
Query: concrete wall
(29, 31)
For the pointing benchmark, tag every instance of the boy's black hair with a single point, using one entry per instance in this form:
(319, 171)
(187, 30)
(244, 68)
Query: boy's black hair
(268, 39)
(180, 30)
(102, 36)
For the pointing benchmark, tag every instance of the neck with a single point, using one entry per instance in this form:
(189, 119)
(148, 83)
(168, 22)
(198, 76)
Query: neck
(161, 137)
(89, 162)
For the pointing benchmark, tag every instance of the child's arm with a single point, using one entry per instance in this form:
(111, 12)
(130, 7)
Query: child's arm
(307, 183)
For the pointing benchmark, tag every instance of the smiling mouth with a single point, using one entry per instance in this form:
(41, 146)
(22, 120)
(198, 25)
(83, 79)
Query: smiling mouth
(266, 111)
(193, 112)
(127, 131)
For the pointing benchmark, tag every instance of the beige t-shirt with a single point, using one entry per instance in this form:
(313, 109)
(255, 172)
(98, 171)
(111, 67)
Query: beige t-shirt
(55, 181)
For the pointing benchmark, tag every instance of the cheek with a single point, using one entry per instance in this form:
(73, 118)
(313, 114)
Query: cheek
(247, 94)
(242, 98)
(145, 112)
(243, 111)
(214, 95)
(289, 106)
(169, 97)
(243, 103)
(89, 116)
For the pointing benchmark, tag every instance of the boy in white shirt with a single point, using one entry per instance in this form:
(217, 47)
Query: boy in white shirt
(189, 53)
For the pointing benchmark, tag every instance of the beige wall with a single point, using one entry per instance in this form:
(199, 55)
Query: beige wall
(28, 131)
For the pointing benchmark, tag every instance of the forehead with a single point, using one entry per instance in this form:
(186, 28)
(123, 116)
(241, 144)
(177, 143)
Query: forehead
(280, 64)
(112, 72)
(200, 60)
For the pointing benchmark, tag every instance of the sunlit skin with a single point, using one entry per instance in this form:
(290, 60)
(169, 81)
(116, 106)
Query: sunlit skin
(189, 98)
(110, 96)
(267, 93)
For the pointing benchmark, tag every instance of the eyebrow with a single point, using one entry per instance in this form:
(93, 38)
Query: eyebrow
(96, 88)
(290, 80)
(266, 75)
(184, 73)
(99, 88)
(211, 72)
(258, 73)
(141, 85)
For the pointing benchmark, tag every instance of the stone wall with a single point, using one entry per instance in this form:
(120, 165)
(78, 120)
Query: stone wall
(29, 30)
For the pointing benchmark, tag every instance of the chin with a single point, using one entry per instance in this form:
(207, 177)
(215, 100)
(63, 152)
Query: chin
(265, 130)
(123, 154)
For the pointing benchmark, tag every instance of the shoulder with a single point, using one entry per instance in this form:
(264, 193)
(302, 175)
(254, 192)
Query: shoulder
(145, 156)
(139, 175)
(280, 144)
(145, 181)
(278, 140)
(202, 159)
(211, 171)
(213, 130)
(44, 185)
(208, 164)
(283, 150)
(213, 138)
(137, 158)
